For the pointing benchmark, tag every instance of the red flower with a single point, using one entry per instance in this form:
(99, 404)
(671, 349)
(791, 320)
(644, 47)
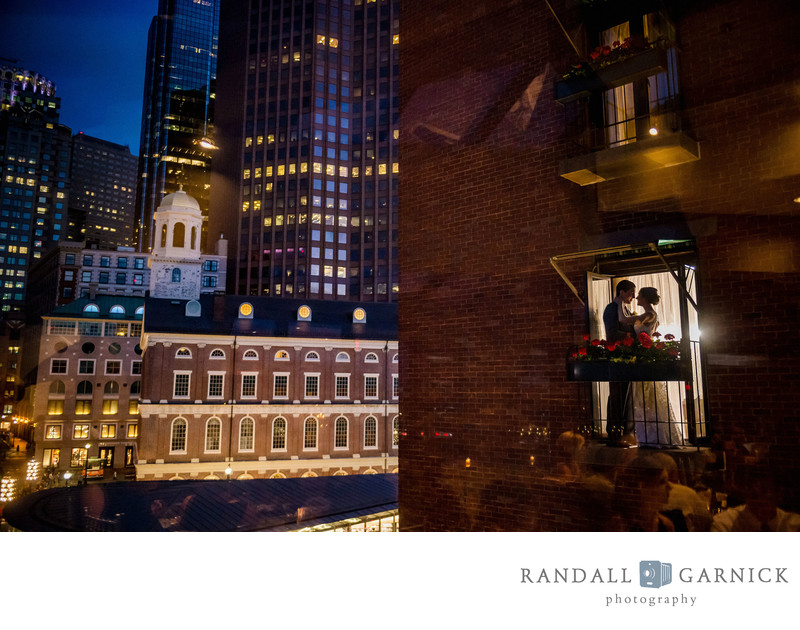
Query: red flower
(595, 55)
(606, 50)
(596, 342)
(611, 346)
(673, 352)
(669, 337)
(656, 334)
(615, 44)
(660, 345)
(582, 352)
(645, 340)
(628, 341)
(586, 337)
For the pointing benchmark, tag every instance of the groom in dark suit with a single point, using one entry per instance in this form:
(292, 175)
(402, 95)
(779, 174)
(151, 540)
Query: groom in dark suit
(620, 432)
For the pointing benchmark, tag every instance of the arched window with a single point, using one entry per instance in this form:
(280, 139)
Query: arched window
(55, 400)
(179, 235)
(194, 238)
(176, 275)
(213, 433)
(279, 434)
(246, 434)
(133, 400)
(310, 434)
(371, 358)
(342, 357)
(310, 473)
(83, 400)
(177, 443)
(91, 308)
(117, 310)
(277, 475)
(111, 389)
(371, 471)
(395, 359)
(139, 311)
(216, 353)
(250, 355)
(340, 473)
(163, 236)
(110, 398)
(396, 431)
(370, 432)
(85, 388)
(281, 355)
(312, 356)
(183, 353)
(340, 433)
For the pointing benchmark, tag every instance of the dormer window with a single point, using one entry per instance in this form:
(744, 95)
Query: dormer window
(304, 314)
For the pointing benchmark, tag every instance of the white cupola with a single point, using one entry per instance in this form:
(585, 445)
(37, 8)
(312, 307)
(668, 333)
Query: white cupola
(175, 259)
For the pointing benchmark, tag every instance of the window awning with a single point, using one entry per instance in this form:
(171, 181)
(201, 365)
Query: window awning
(622, 249)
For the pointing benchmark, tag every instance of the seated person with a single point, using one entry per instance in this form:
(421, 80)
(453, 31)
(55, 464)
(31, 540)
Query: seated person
(640, 498)
(760, 511)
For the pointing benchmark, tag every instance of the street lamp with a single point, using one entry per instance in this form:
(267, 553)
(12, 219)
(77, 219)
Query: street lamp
(228, 471)
(67, 476)
(86, 465)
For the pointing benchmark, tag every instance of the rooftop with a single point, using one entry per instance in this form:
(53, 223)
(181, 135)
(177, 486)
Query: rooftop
(271, 317)
(205, 506)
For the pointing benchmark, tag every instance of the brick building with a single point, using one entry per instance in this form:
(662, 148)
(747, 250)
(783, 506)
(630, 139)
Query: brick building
(88, 384)
(264, 387)
(682, 135)
(268, 388)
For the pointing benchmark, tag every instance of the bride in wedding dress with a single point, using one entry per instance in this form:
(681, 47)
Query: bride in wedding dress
(648, 402)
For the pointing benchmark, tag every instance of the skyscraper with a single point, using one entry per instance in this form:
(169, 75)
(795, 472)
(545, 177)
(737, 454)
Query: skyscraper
(178, 108)
(34, 155)
(305, 181)
(103, 192)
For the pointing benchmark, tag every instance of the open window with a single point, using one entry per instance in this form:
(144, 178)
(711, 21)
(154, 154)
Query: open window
(669, 267)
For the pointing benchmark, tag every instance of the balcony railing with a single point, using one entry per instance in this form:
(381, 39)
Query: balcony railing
(627, 147)
(660, 398)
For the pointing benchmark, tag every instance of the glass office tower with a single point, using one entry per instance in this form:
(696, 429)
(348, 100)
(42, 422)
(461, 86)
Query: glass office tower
(307, 121)
(177, 134)
(34, 197)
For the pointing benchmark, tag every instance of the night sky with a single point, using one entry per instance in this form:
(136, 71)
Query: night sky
(93, 50)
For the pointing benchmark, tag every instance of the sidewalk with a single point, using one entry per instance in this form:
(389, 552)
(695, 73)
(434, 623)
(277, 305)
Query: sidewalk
(20, 449)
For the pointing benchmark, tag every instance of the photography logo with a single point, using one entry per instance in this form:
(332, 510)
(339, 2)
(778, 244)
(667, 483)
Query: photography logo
(654, 574)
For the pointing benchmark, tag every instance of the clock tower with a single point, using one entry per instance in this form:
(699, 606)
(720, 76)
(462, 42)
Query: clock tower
(175, 260)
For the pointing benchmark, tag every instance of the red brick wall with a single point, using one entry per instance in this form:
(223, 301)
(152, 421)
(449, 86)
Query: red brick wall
(484, 319)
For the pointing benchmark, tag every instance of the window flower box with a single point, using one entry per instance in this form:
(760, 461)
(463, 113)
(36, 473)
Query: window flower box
(626, 372)
(640, 358)
(604, 73)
